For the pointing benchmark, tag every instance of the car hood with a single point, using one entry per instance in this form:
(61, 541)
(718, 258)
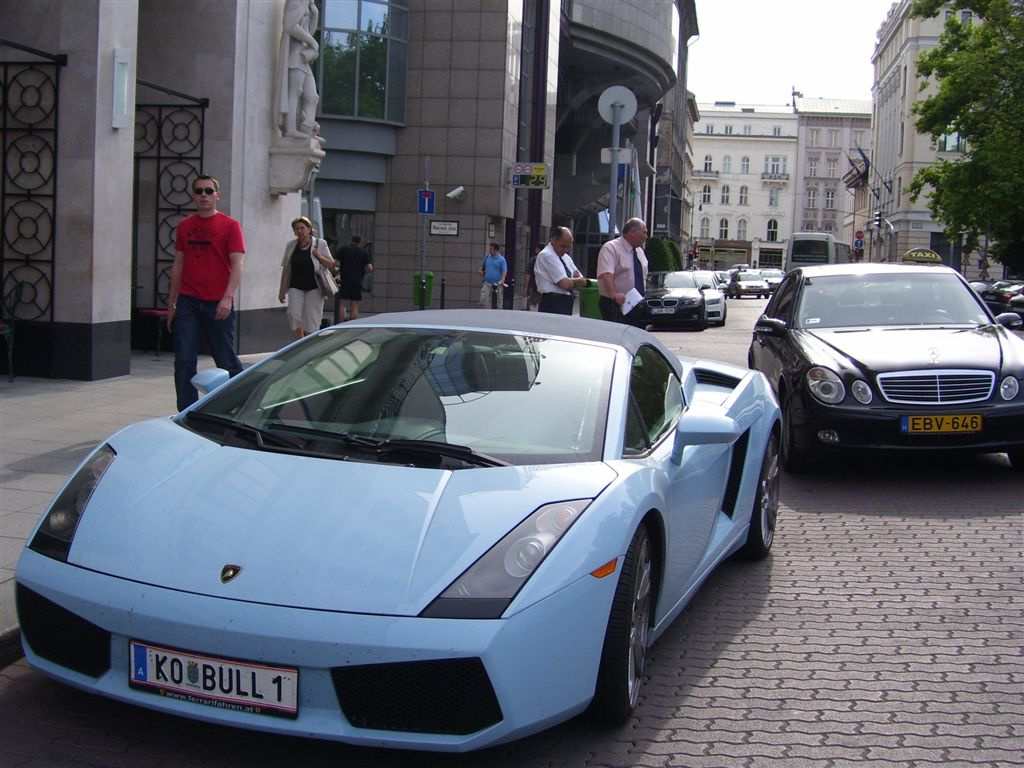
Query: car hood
(878, 350)
(175, 508)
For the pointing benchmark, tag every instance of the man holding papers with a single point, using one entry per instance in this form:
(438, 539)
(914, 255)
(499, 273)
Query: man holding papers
(622, 272)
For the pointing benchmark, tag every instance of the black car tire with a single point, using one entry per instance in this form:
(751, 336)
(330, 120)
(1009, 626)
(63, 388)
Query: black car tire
(765, 512)
(1016, 459)
(703, 324)
(625, 642)
(725, 313)
(792, 459)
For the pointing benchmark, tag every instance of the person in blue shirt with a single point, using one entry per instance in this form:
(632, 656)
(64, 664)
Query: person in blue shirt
(493, 269)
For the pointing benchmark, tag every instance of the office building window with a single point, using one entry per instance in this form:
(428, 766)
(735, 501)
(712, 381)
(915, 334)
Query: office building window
(705, 228)
(812, 198)
(741, 229)
(744, 196)
(773, 197)
(833, 168)
(709, 129)
(775, 164)
(814, 137)
(705, 194)
(707, 163)
(776, 130)
(362, 63)
(772, 232)
(725, 195)
(833, 137)
(746, 130)
(830, 199)
(723, 229)
(728, 130)
(745, 164)
(812, 168)
(727, 164)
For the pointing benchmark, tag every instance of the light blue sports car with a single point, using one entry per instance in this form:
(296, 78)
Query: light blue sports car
(430, 530)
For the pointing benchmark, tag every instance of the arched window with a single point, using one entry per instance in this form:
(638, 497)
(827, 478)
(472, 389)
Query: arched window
(727, 164)
(744, 196)
(741, 230)
(725, 195)
(745, 165)
(773, 231)
(707, 163)
(705, 194)
(705, 228)
(723, 229)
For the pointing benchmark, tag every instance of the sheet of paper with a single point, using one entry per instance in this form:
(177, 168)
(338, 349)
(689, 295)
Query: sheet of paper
(632, 299)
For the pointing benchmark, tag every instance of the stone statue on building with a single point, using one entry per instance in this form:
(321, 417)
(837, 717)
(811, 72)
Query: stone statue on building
(295, 105)
(298, 152)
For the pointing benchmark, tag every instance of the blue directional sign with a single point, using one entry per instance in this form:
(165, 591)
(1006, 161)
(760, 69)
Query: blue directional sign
(425, 198)
(858, 243)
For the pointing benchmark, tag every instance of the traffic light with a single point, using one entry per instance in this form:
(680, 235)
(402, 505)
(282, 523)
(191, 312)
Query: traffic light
(878, 220)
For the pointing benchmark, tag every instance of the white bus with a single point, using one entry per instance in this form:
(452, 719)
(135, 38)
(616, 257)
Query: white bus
(806, 248)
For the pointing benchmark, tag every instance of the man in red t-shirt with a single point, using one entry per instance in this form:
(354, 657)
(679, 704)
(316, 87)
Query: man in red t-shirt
(208, 255)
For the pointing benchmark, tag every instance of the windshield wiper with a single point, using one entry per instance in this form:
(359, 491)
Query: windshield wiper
(260, 438)
(463, 453)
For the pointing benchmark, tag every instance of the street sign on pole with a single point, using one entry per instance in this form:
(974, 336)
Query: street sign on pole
(425, 201)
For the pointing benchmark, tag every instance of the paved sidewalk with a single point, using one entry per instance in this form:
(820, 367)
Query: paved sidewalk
(47, 426)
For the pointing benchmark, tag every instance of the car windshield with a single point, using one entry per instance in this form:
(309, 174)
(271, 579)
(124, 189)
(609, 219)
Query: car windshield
(680, 280)
(748, 277)
(519, 399)
(772, 273)
(705, 279)
(898, 299)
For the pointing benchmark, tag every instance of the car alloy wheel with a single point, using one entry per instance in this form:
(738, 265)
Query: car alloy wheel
(765, 513)
(792, 459)
(625, 644)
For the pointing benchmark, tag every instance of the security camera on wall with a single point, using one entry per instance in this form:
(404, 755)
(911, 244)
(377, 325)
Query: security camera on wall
(458, 194)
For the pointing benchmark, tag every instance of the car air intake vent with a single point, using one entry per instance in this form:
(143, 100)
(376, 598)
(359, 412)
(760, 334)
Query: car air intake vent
(715, 379)
(60, 636)
(936, 387)
(451, 696)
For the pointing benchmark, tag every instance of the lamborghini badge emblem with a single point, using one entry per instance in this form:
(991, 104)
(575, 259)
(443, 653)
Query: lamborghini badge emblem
(228, 572)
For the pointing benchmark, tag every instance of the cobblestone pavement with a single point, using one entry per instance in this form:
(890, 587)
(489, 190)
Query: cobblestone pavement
(886, 630)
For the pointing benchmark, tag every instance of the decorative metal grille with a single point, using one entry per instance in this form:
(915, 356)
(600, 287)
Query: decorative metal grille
(168, 155)
(28, 180)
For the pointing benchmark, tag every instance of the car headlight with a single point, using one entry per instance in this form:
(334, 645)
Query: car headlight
(1009, 387)
(488, 586)
(57, 529)
(713, 300)
(862, 391)
(825, 385)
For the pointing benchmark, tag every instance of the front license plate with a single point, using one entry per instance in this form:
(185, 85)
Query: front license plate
(223, 683)
(662, 310)
(945, 424)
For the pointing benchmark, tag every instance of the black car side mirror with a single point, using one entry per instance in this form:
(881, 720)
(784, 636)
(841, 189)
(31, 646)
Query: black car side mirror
(1010, 320)
(770, 326)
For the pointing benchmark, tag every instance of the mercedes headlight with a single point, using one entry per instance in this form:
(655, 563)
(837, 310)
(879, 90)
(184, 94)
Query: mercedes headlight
(825, 385)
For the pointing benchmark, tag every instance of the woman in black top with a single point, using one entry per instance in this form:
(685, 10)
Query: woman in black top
(298, 285)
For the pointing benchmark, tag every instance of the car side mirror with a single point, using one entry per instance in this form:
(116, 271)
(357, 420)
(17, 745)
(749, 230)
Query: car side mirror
(703, 429)
(770, 326)
(208, 380)
(1010, 320)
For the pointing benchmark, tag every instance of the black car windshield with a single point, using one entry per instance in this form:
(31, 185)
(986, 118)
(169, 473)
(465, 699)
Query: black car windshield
(680, 280)
(518, 399)
(897, 299)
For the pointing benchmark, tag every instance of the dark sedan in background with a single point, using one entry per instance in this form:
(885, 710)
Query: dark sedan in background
(674, 299)
(866, 357)
(999, 294)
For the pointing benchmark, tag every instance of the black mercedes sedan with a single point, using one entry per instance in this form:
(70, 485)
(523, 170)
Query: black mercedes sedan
(891, 357)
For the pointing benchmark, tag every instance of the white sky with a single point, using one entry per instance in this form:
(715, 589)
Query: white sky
(756, 52)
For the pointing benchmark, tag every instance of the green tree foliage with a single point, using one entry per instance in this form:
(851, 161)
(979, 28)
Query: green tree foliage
(977, 71)
(659, 257)
(677, 256)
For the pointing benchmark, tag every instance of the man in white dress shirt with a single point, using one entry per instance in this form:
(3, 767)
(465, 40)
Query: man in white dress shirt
(556, 274)
(622, 267)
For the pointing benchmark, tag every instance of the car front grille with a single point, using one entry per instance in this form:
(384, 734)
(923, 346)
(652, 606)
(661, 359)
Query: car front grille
(58, 635)
(673, 302)
(444, 696)
(936, 387)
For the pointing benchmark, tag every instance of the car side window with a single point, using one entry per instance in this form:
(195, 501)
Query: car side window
(655, 401)
(781, 305)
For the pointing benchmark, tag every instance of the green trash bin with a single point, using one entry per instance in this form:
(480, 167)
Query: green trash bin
(589, 300)
(428, 293)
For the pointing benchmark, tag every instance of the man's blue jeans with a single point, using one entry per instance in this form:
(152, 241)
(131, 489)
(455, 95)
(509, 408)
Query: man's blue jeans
(192, 318)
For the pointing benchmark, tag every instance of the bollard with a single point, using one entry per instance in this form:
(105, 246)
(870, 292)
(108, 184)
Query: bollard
(442, 292)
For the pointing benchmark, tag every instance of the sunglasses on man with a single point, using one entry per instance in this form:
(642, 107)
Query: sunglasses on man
(204, 191)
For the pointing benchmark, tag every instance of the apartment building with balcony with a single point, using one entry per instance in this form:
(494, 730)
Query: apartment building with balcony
(743, 183)
(831, 134)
